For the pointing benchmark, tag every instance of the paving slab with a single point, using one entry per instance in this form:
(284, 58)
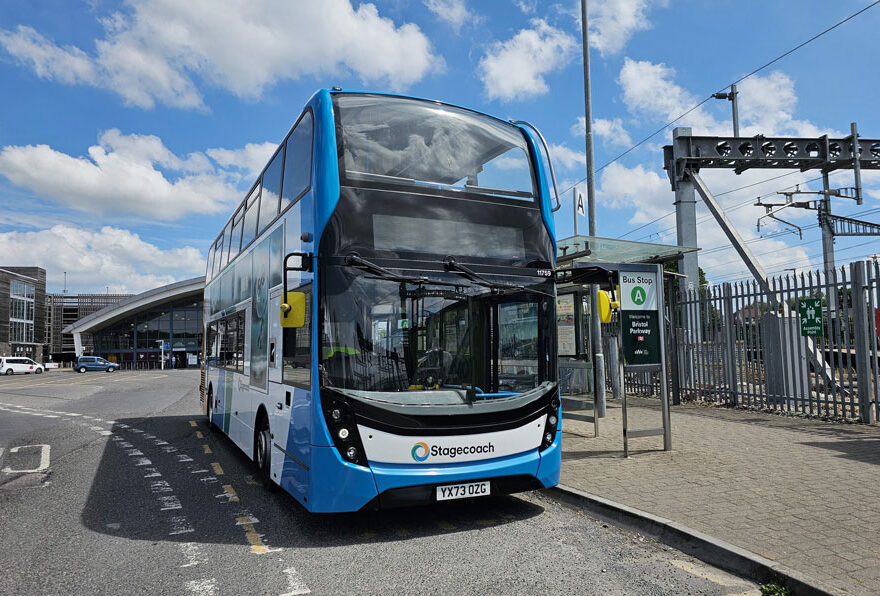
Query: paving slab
(801, 492)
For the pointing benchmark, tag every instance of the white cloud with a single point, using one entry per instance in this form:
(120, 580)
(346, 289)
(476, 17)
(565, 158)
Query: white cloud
(611, 132)
(527, 6)
(515, 69)
(160, 50)
(251, 159)
(130, 174)
(568, 158)
(766, 103)
(94, 258)
(614, 22)
(453, 12)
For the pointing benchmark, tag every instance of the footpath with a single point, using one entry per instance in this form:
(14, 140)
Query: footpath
(803, 493)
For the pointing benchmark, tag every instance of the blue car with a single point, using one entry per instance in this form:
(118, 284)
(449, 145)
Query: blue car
(84, 363)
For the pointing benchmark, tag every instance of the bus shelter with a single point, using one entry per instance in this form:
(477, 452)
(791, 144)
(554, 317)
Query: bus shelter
(583, 261)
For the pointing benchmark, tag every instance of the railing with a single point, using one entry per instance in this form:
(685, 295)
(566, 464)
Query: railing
(733, 347)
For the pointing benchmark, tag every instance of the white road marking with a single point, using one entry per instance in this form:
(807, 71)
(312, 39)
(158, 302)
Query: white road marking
(180, 525)
(160, 486)
(184, 458)
(200, 471)
(126, 445)
(202, 587)
(113, 526)
(133, 452)
(44, 460)
(106, 433)
(209, 479)
(169, 502)
(192, 553)
(295, 583)
(142, 461)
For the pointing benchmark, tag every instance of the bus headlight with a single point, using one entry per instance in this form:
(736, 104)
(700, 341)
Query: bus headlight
(343, 433)
(341, 423)
(551, 423)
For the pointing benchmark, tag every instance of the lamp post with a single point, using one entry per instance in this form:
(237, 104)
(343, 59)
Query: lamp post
(161, 343)
(731, 97)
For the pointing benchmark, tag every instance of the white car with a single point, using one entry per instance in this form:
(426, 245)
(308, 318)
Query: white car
(10, 366)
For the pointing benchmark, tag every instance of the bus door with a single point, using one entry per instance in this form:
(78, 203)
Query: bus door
(280, 396)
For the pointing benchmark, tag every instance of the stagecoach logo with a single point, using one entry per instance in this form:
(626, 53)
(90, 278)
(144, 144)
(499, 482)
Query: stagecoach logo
(421, 451)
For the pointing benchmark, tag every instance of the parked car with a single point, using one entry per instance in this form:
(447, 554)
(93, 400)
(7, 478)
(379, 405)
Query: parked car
(11, 366)
(84, 363)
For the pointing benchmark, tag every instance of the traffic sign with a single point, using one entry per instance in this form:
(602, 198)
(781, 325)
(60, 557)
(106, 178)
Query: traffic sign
(811, 316)
(580, 204)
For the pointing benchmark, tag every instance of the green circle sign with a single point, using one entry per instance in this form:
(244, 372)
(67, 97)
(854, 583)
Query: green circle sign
(638, 295)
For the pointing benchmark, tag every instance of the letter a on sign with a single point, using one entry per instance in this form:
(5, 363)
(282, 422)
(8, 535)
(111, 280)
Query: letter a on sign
(580, 204)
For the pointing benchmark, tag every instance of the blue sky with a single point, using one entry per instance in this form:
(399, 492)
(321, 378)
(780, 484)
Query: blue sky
(130, 129)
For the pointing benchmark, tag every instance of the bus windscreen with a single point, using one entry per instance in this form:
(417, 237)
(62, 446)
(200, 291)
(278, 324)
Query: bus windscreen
(401, 141)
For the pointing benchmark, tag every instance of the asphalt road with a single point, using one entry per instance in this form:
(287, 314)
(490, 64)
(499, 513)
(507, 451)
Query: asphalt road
(113, 484)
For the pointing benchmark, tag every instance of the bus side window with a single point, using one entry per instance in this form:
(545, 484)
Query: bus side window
(297, 348)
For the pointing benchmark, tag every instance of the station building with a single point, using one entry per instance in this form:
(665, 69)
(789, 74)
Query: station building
(22, 311)
(139, 330)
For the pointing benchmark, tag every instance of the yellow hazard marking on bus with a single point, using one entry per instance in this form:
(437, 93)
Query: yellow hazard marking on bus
(192, 423)
(250, 534)
(199, 435)
(217, 469)
(233, 496)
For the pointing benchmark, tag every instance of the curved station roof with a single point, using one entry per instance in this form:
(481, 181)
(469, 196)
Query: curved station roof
(116, 312)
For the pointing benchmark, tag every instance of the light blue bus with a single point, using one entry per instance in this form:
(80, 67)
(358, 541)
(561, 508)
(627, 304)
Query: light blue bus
(380, 308)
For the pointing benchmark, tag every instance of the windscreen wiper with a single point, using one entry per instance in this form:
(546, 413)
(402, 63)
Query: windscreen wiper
(354, 260)
(451, 265)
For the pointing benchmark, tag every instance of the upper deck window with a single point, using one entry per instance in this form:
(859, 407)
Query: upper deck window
(410, 142)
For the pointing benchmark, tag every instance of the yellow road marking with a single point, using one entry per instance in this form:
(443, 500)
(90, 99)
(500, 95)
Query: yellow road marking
(250, 534)
(199, 434)
(207, 451)
(217, 469)
(233, 496)
(192, 423)
(445, 525)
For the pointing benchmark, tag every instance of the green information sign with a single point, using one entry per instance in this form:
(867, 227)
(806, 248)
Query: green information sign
(811, 316)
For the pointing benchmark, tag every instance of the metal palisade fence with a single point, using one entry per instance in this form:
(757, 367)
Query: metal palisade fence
(809, 347)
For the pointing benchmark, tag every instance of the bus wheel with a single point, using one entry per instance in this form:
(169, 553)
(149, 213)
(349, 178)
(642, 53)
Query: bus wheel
(210, 398)
(263, 450)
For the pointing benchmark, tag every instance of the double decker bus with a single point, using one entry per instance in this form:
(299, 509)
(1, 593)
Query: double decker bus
(380, 308)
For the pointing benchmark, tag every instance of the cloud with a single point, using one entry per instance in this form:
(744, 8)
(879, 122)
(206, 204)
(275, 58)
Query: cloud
(515, 69)
(568, 158)
(251, 158)
(160, 51)
(133, 174)
(527, 6)
(611, 132)
(614, 22)
(453, 12)
(92, 258)
(766, 103)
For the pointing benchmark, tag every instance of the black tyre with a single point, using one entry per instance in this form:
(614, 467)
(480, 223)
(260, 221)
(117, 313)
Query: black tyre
(38, 371)
(111, 369)
(263, 452)
(210, 409)
(8, 371)
(81, 369)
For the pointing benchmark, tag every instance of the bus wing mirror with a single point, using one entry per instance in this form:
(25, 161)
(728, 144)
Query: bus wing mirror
(293, 310)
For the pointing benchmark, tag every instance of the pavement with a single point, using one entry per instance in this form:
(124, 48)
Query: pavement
(115, 484)
(800, 492)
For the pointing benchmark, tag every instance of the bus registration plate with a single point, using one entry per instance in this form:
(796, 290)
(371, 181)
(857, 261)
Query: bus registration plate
(462, 491)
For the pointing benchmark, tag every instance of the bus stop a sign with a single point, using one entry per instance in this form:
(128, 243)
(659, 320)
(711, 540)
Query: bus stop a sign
(640, 318)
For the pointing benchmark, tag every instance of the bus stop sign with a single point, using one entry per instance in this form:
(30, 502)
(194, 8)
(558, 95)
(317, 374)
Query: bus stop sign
(640, 318)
